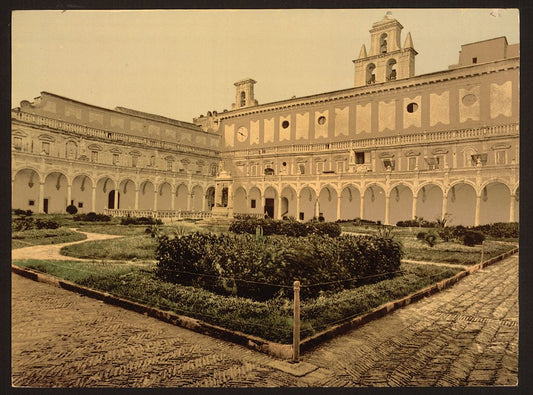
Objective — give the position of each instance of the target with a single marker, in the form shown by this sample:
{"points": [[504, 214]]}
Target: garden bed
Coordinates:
{"points": [[33, 237]]}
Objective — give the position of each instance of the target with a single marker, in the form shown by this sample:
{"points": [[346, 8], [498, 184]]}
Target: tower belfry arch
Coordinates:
{"points": [[386, 60]]}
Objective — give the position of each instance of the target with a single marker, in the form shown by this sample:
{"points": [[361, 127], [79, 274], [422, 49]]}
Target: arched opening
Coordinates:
{"points": [[82, 188], [26, 190], [196, 199], [181, 197], [210, 198], [111, 200], [243, 99], [327, 204], [225, 197], [391, 70], [370, 74], [255, 205], [270, 202], [462, 204], [429, 202], [350, 203], [164, 200], [146, 196], [495, 203], [401, 204], [239, 201], [383, 43], [308, 204], [103, 187], [127, 194], [55, 193], [288, 203], [374, 204]]}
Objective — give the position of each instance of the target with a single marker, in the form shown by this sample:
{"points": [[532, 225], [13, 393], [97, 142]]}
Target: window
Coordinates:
{"points": [[116, 159], [500, 157], [152, 160], [169, 165], [370, 76], [253, 170], [359, 158], [252, 203], [243, 99], [94, 156], [80, 205], [319, 167], [388, 164], [31, 203], [340, 167], [391, 70], [71, 150], [269, 171], [411, 163], [301, 168], [46, 148], [321, 120], [285, 124], [435, 163], [17, 143], [479, 159], [474, 60], [383, 43], [412, 107], [134, 160]]}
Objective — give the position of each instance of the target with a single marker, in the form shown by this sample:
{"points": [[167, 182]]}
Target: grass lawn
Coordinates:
{"points": [[31, 237], [137, 247], [271, 320]]}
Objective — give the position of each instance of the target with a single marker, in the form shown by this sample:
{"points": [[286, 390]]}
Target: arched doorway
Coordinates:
{"points": [[111, 200], [495, 203], [401, 204], [26, 190], [350, 203], [374, 203], [327, 203], [462, 204]]}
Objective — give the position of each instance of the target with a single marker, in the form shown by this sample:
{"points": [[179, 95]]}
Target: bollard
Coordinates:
{"points": [[296, 323], [482, 250]]}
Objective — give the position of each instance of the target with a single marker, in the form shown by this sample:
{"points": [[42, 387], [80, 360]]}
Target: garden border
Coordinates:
{"points": [[283, 351]]}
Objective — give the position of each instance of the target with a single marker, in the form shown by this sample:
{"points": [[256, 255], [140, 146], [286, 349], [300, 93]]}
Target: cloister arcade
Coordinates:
{"points": [[463, 202], [54, 190]]}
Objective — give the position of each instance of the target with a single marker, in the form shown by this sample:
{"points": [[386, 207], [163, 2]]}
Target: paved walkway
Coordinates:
{"points": [[466, 335]]}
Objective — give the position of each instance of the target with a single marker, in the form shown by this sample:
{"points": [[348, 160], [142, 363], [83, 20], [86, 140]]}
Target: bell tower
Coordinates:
{"points": [[386, 60], [244, 94]]}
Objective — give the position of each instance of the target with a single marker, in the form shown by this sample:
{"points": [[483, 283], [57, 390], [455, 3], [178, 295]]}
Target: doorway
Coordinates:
{"points": [[269, 207], [111, 200], [45, 206]]}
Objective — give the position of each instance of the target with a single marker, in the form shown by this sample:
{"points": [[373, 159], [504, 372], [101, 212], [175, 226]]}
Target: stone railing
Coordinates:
{"points": [[160, 214], [445, 135], [104, 134]]}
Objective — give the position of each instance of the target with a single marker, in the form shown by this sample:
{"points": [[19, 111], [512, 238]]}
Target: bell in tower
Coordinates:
{"points": [[244, 94], [386, 60]]}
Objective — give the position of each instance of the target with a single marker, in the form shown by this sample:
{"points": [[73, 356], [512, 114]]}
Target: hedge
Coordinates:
{"points": [[140, 221], [235, 264], [286, 227], [92, 217]]}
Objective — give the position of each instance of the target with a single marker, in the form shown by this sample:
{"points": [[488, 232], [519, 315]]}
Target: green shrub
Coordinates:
{"points": [[140, 221], [288, 227], [421, 235], [18, 211], [472, 238], [92, 217], [46, 224], [499, 230], [22, 223], [71, 209], [431, 239], [222, 262]]}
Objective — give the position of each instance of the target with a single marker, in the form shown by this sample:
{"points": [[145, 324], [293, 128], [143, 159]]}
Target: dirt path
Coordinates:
{"points": [[52, 251]]}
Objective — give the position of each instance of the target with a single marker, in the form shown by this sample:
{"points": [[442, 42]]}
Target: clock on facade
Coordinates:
{"points": [[242, 133]]}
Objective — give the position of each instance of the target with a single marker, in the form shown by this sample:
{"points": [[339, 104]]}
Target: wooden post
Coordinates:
{"points": [[482, 250], [296, 325]]}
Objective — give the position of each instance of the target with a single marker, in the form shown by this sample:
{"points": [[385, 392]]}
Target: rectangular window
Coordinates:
{"points": [[388, 164], [115, 159], [359, 158], [80, 205], [433, 163], [340, 167], [134, 160], [94, 156], [46, 148], [479, 160], [252, 203], [17, 143], [319, 167], [31, 203], [301, 167], [500, 157], [301, 216], [411, 163], [253, 170], [474, 60], [169, 165]]}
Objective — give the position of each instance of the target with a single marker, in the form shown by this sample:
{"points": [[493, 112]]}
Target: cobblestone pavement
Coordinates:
{"points": [[465, 335]]}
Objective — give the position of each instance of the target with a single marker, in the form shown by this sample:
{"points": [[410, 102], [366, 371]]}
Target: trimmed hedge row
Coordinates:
{"points": [[92, 217], [286, 227], [140, 221], [221, 262], [27, 223]]}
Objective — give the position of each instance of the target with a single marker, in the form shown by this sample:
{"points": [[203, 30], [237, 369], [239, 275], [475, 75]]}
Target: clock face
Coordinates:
{"points": [[242, 133]]}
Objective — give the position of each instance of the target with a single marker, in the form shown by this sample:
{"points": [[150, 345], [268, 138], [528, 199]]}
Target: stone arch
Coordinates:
{"points": [[271, 205], [288, 202], [127, 189], [495, 202], [374, 203], [165, 196], [255, 200], [55, 192], [327, 203], [350, 202], [104, 186], [181, 196], [82, 192], [209, 198], [146, 195], [461, 203], [429, 201], [240, 204], [197, 195], [308, 203], [26, 189], [400, 203]]}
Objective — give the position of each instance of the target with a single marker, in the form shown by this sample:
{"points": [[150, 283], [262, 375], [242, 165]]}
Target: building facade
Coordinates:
{"points": [[394, 147]]}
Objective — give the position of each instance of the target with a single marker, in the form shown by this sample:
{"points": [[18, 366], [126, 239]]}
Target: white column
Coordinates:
{"points": [[69, 194], [41, 198], [189, 201], [155, 199], [362, 206], [277, 215], [478, 210], [387, 209], [116, 199], [136, 207], [317, 208], [444, 205], [415, 199], [339, 207], [172, 199], [512, 208], [93, 203], [297, 207]]}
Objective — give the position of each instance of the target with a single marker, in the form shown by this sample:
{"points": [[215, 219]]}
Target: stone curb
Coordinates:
{"points": [[310, 342], [283, 351]]}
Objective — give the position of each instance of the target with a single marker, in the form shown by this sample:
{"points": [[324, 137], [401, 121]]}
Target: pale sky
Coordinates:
{"points": [[183, 63]]}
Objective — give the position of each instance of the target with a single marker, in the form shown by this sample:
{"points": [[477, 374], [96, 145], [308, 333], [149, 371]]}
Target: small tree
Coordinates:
{"points": [[71, 209]]}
